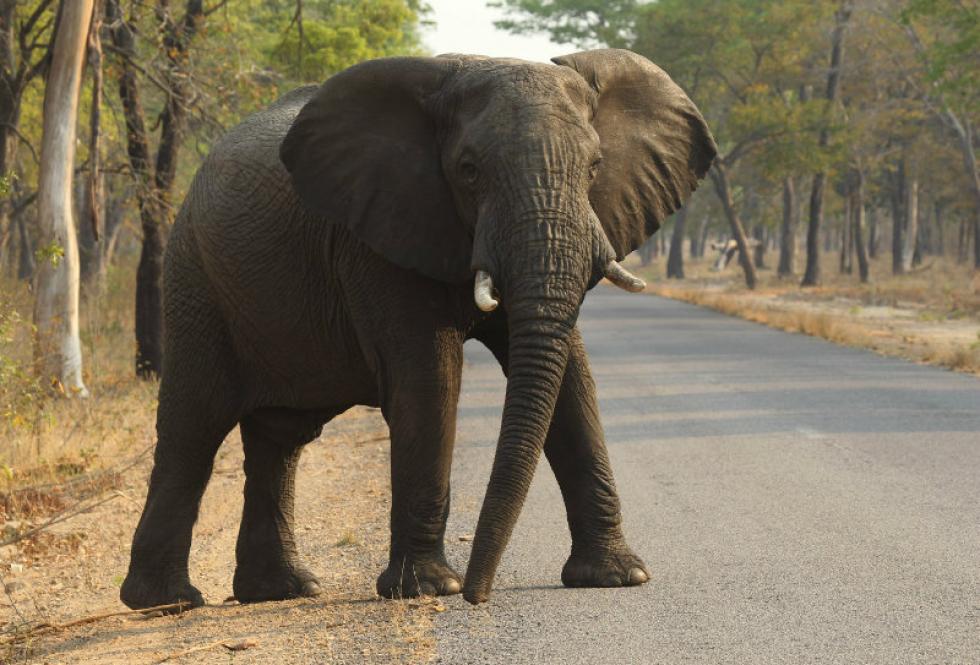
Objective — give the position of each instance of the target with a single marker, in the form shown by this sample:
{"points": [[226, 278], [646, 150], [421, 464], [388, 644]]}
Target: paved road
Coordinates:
{"points": [[795, 501]]}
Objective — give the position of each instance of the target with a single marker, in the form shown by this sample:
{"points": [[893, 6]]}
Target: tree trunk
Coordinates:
{"points": [[759, 253], [911, 220], [898, 218], [703, 235], [873, 237], [58, 351], [857, 227], [154, 191], [90, 246], [95, 192], [939, 223], [963, 241], [811, 276], [25, 265], [675, 260], [646, 251], [787, 232], [846, 266], [719, 177], [9, 118]]}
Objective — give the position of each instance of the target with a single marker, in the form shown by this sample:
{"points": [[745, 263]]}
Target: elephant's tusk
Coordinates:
{"points": [[623, 278], [483, 291]]}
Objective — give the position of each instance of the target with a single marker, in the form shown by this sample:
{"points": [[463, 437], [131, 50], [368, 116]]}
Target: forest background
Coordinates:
{"points": [[847, 180]]}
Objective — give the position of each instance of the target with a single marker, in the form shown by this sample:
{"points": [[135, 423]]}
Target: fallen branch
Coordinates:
{"points": [[85, 478], [47, 628], [231, 646], [59, 517], [79, 488]]}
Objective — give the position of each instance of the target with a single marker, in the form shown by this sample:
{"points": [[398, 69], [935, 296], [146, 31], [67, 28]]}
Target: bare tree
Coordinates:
{"points": [[154, 183], [58, 351], [812, 275], [23, 57], [719, 176]]}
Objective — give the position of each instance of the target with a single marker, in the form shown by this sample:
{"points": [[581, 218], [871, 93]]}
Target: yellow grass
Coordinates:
{"points": [[44, 436], [938, 295]]}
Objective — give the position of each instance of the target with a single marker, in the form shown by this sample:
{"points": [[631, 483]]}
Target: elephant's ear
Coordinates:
{"points": [[655, 144], [363, 153]]}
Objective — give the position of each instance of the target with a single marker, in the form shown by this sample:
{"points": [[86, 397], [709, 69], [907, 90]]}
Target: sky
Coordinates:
{"points": [[466, 26]]}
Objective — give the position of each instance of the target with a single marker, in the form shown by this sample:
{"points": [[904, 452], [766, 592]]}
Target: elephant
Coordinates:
{"points": [[340, 246]]}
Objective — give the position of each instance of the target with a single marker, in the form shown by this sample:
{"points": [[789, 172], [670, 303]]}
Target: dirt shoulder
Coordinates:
{"points": [[342, 516], [918, 317]]}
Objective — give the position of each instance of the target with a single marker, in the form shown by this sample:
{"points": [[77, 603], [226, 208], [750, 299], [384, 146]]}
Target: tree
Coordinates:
{"points": [[25, 27], [952, 77], [811, 276], [57, 347], [675, 259]]}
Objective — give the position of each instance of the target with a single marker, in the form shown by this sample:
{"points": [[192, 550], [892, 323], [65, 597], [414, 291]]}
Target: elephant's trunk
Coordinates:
{"points": [[542, 306]]}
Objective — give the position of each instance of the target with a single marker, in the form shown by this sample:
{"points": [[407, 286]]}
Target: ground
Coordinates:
{"points": [[931, 315], [342, 531], [752, 466]]}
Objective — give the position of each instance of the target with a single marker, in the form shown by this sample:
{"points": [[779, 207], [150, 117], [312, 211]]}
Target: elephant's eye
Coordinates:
{"points": [[594, 168], [468, 172]]}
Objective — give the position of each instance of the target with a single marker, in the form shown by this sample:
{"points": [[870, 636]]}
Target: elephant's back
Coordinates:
{"points": [[241, 197], [242, 229], [243, 169]]}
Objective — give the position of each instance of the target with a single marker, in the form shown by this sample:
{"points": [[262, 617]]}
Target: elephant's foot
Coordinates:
{"points": [[255, 584], [142, 590], [406, 577], [604, 567]]}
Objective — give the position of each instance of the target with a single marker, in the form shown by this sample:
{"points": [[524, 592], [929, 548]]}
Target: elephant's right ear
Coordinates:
{"points": [[655, 144], [363, 153]]}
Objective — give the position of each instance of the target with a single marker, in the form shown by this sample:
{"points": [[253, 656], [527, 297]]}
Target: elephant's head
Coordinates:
{"points": [[531, 178]]}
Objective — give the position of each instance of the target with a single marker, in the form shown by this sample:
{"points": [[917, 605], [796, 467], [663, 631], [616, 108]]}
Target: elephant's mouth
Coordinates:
{"points": [[487, 301]]}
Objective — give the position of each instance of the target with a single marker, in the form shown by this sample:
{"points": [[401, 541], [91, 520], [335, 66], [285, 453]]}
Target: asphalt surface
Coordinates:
{"points": [[795, 501]]}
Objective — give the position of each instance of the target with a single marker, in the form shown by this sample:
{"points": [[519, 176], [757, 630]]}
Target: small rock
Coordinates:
{"points": [[16, 567], [10, 587], [465, 538]]}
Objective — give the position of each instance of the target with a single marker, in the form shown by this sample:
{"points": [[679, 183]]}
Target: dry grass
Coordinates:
{"points": [[45, 437], [930, 315]]}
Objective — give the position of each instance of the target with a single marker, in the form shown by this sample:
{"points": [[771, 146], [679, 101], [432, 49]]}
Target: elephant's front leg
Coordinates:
{"points": [[419, 405], [576, 451]]}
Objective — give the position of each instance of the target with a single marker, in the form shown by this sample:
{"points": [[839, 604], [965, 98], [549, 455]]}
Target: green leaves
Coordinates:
{"points": [[585, 23], [949, 31], [338, 34]]}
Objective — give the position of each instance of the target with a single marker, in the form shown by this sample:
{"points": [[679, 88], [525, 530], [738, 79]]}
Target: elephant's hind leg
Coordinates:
{"points": [[198, 407], [268, 564]]}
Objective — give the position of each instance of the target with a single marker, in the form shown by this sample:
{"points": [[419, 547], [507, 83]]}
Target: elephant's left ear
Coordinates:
{"points": [[364, 153], [655, 144]]}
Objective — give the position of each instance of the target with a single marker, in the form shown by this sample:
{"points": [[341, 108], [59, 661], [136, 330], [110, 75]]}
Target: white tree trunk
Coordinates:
{"points": [[911, 221], [58, 351]]}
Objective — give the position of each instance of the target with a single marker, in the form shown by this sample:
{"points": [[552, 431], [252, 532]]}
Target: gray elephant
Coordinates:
{"points": [[339, 248]]}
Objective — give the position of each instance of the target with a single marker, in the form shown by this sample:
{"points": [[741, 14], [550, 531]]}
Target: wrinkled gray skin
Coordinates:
{"points": [[325, 258]]}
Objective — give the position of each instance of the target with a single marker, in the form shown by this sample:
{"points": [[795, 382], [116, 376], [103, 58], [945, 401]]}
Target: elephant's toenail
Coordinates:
{"points": [[450, 587], [312, 589], [637, 576]]}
